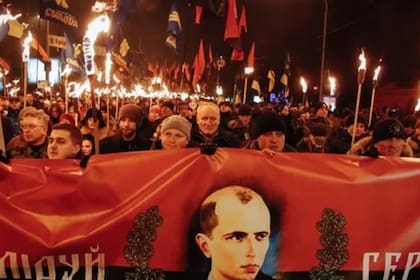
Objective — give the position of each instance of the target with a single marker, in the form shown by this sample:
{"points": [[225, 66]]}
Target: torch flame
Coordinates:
{"points": [[418, 105], [303, 84], [99, 24], [66, 71], [376, 74], [333, 85], [26, 45], [8, 16], [362, 59]]}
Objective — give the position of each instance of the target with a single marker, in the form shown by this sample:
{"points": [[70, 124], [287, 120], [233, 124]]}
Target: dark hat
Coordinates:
{"points": [[267, 122], [168, 104], [319, 129], [244, 110], [132, 112], [409, 121], [14, 99], [349, 121], [321, 105], [388, 128], [225, 103]]}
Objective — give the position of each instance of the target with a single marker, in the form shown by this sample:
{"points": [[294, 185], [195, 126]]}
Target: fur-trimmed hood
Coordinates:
{"points": [[362, 146]]}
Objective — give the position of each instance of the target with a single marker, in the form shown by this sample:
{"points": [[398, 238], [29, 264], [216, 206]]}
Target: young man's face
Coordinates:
{"points": [[360, 129], [60, 145], [273, 140], [244, 119], [128, 128], [239, 243], [392, 147], [208, 120]]}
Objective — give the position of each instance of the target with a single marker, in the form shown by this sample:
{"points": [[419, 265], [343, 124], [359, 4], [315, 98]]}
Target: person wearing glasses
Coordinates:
{"points": [[32, 142]]}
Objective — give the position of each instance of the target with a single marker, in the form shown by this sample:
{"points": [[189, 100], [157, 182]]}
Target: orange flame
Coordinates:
{"points": [[362, 59], [303, 84], [376, 73]]}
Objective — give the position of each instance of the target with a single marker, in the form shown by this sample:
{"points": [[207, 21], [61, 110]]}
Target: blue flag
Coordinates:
{"points": [[174, 27], [59, 11], [72, 55]]}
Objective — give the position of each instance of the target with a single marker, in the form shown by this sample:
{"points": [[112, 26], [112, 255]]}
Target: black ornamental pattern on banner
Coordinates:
{"points": [[334, 241], [140, 250]]}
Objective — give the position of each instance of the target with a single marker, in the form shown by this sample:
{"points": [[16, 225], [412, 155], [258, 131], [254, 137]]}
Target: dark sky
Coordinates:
{"points": [[387, 29]]}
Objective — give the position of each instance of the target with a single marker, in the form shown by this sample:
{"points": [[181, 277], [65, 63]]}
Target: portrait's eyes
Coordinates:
{"points": [[261, 236], [236, 236]]}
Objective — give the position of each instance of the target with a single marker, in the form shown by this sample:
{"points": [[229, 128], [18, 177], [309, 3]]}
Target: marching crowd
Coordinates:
{"points": [[41, 129]]}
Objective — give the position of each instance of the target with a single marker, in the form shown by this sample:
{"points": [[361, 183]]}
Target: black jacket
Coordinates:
{"points": [[223, 138], [116, 144]]}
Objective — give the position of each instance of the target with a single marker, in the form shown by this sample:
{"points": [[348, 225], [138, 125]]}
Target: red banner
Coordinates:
{"points": [[367, 209]]}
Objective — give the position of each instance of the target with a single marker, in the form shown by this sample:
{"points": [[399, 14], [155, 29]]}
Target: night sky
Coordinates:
{"points": [[387, 29]]}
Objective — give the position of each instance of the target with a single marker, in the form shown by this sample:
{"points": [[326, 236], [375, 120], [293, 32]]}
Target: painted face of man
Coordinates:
{"points": [[173, 139], [208, 120], [273, 140], [392, 147], [60, 145], [238, 244]]}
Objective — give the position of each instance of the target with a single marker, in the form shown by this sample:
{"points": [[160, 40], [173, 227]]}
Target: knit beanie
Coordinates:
{"points": [[267, 122], [131, 111], [319, 129], [244, 110], [388, 128], [177, 122], [168, 104]]}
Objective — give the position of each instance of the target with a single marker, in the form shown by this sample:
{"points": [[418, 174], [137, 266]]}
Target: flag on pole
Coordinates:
{"points": [[37, 46], [15, 28], [233, 31], [211, 59], [271, 80], [120, 57], [198, 14], [4, 64], [58, 11], [199, 65], [286, 74], [174, 28], [242, 20], [256, 86], [251, 56], [231, 28]]}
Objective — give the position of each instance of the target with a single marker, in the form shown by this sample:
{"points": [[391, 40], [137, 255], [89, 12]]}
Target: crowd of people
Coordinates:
{"points": [[43, 129]]}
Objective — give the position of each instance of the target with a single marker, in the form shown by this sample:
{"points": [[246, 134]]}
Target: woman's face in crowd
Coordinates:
{"points": [[87, 147]]}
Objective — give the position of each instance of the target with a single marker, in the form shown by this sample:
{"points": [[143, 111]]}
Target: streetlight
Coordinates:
{"points": [[247, 71]]}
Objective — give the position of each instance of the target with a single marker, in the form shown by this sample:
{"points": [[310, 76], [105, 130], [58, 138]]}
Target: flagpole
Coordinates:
{"points": [[187, 28], [324, 39], [245, 89]]}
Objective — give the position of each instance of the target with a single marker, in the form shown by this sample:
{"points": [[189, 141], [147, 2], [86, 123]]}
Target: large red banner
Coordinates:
{"points": [[334, 214]]}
